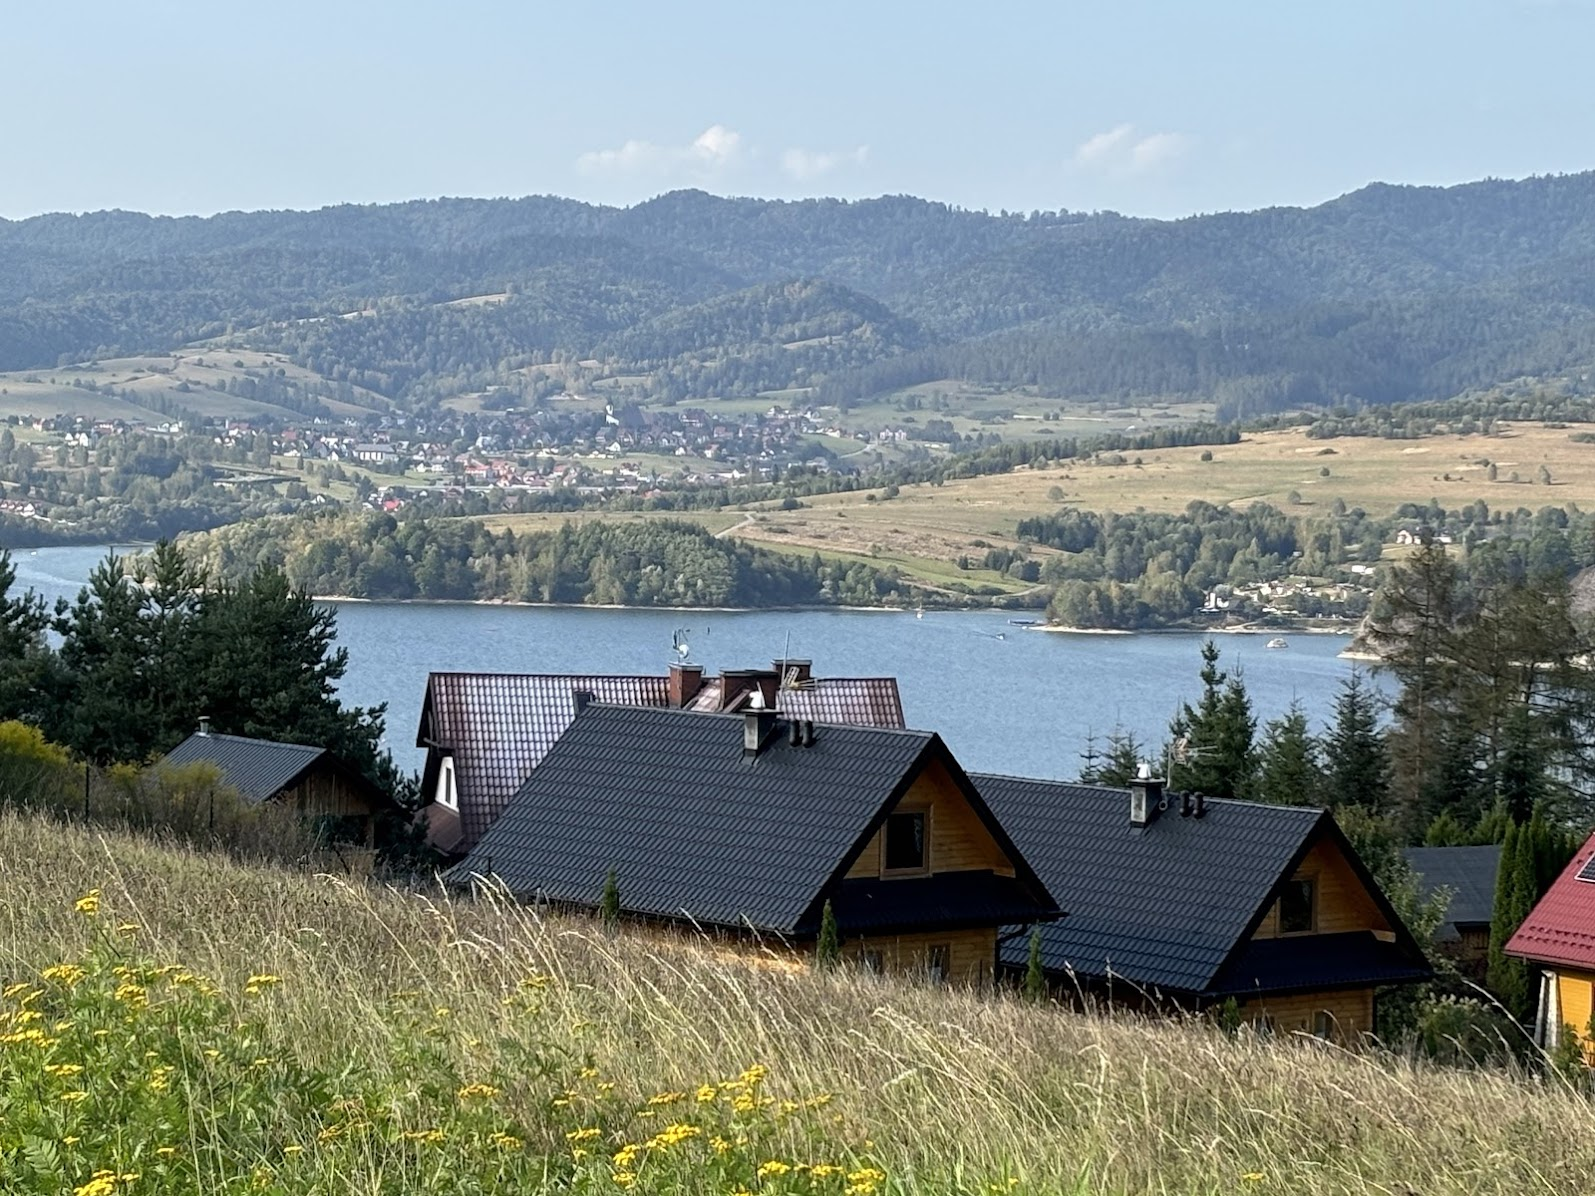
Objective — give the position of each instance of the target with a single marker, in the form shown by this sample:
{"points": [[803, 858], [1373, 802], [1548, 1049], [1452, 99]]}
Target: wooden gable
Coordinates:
{"points": [[1342, 899], [958, 837]]}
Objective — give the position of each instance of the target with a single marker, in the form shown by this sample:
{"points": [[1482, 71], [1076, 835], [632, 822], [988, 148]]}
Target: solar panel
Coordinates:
{"points": [[1587, 872]]}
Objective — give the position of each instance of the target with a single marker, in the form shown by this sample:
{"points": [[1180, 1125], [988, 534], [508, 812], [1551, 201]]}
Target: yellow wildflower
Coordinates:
{"points": [[623, 1179], [293, 1148], [68, 974], [477, 1092], [73, 1098], [63, 1069], [772, 1167], [127, 929], [71, 1140], [430, 1137], [721, 1146], [89, 904], [1253, 1177], [625, 1156], [166, 1152], [588, 1073], [582, 1135], [673, 1135], [754, 1074], [135, 995], [665, 1098], [707, 1093], [505, 1141]]}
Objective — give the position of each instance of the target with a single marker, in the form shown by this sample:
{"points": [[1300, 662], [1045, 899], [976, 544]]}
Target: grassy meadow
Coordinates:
{"points": [[172, 1022]]}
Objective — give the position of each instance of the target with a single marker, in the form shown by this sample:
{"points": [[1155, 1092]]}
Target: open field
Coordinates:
{"points": [[307, 1035], [154, 378]]}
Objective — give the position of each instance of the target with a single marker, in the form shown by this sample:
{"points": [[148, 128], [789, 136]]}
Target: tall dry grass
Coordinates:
{"points": [[947, 1089]]}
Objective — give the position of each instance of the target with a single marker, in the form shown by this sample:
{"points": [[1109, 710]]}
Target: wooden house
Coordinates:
{"points": [[312, 781], [484, 733], [747, 825], [1173, 901], [1467, 874], [1559, 936]]}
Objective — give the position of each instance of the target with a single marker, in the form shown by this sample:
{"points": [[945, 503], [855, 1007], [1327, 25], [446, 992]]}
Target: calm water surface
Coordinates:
{"points": [[1005, 699]]}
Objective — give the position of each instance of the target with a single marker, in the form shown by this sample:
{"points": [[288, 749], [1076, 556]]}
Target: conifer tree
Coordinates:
{"points": [[609, 904], [1035, 986], [1215, 737], [1507, 977], [1356, 763], [828, 949], [1289, 773]]}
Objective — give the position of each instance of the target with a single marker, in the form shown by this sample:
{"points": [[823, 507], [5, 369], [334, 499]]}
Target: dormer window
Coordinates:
{"points": [[907, 845]]}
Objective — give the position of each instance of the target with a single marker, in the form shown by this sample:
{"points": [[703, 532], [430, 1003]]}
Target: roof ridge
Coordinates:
{"points": [[307, 747], [1225, 801], [869, 728]]}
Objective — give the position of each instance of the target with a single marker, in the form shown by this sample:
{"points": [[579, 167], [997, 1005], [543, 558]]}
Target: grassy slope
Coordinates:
{"points": [[942, 1091]]}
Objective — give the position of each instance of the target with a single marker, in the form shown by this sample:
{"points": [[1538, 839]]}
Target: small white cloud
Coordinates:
{"points": [[803, 165], [1121, 150], [713, 149], [1103, 146]]}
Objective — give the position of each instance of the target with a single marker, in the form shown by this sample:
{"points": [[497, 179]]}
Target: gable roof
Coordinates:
{"points": [[1169, 906], [694, 829], [1469, 872], [258, 768], [499, 726], [1560, 930]]}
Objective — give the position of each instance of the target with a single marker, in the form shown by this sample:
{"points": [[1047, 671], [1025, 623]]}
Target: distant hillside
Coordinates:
{"points": [[1385, 294]]}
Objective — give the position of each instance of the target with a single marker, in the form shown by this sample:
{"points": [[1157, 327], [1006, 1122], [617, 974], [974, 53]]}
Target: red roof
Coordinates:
{"points": [[1561, 928]]}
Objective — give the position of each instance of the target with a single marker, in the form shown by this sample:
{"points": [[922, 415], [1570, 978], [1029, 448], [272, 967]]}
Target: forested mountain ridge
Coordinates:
{"points": [[1383, 294]]}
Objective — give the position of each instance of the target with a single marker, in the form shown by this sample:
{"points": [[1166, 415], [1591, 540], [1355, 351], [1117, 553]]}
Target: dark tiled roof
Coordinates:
{"points": [[692, 827], [1353, 959], [948, 900], [1469, 872], [499, 726], [1161, 906], [1561, 928], [257, 768]]}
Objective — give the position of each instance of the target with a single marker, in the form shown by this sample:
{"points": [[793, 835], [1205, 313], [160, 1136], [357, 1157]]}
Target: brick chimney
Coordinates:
{"points": [[736, 682], [803, 668], [1146, 796], [685, 681]]}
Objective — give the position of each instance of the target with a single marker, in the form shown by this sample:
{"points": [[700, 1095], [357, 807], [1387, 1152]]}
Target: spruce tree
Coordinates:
{"points": [[1507, 976], [1214, 750], [1289, 774], [1356, 763], [1035, 986], [609, 904], [828, 949]]}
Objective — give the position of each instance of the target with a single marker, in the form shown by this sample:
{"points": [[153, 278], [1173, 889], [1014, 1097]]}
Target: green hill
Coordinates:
{"points": [[1385, 294]]}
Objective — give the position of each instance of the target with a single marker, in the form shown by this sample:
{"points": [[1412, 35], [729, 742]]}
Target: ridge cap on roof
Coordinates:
{"points": [[1211, 801], [544, 676], [863, 728], [283, 743]]}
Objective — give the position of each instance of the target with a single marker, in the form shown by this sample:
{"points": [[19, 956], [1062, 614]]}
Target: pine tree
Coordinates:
{"points": [[1035, 987], [609, 904], [1289, 774], [1356, 763], [828, 949], [1213, 741], [1515, 894]]}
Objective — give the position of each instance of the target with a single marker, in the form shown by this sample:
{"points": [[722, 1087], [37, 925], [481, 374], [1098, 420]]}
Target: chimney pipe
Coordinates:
{"points": [[1146, 796], [1201, 804], [808, 732], [1185, 804], [758, 720], [581, 699], [797, 733], [204, 725]]}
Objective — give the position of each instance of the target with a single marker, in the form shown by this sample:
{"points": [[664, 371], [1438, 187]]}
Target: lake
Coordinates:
{"points": [[1004, 698]]}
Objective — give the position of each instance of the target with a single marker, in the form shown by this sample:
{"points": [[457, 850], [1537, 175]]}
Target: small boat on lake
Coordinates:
{"points": [[1024, 622], [1276, 642]]}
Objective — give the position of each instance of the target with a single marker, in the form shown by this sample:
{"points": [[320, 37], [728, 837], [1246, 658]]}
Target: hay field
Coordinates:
{"points": [[373, 1041]]}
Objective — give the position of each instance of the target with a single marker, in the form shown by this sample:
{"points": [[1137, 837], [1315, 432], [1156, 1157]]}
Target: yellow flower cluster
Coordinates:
{"points": [[89, 904], [477, 1092]]}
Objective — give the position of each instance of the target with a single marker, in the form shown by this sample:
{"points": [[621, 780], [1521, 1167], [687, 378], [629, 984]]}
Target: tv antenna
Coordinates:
{"points": [[680, 646]]}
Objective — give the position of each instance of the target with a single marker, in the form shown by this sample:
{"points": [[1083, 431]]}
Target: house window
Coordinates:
{"points": [[446, 795], [905, 842], [1323, 1025], [1298, 906], [938, 961]]}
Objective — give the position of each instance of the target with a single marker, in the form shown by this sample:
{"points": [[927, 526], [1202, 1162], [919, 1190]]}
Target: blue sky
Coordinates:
{"points": [[1160, 109]]}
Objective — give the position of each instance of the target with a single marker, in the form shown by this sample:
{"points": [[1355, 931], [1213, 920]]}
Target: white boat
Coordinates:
{"points": [[1276, 642]]}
